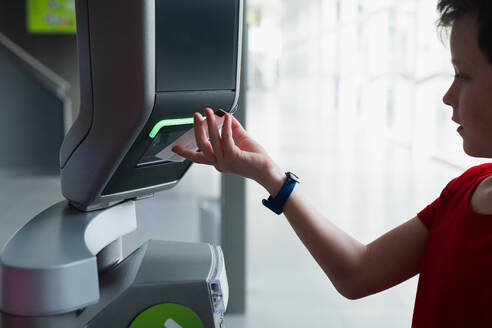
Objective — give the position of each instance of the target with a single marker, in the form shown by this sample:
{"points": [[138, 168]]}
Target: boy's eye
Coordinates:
{"points": [[460, 77]]}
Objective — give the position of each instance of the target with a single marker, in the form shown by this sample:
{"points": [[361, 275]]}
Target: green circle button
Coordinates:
{"points": [[167, 316]]}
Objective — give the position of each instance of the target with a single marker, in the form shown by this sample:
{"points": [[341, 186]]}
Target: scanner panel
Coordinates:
{"points": [[147, 61]]}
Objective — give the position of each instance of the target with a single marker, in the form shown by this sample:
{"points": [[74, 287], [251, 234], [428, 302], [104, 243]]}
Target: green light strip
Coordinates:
{"points": [[174, 122]]}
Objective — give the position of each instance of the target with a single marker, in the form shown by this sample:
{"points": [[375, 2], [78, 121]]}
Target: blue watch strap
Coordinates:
{"points": [[277, 204]]}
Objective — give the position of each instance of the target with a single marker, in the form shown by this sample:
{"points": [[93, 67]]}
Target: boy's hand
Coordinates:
{"points": [[232, 152]]}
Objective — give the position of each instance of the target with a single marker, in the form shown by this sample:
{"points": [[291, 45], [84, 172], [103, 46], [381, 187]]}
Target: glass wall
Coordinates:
{"points": [[380, 63]]}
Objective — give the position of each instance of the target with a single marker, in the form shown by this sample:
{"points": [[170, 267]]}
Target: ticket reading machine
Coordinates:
{"points": [[145, 67]]}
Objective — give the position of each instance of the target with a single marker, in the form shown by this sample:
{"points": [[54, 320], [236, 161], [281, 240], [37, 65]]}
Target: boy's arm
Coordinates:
{"points": [[355, 269], [358, 270]]}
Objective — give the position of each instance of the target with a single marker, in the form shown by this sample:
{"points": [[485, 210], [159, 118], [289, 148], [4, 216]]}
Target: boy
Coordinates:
{"points": [[449, 243]]}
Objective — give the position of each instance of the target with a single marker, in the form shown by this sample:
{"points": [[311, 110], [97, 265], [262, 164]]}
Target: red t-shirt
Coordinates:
{"points": [[455, 284]]}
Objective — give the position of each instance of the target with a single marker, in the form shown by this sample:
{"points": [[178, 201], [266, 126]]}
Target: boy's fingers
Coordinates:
{"points": [[193, 156], [213, 133], [227, 139], [237, 128], [202, 140]]}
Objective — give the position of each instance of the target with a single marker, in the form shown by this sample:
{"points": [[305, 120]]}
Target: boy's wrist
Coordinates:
{"points": [[273, 181]]}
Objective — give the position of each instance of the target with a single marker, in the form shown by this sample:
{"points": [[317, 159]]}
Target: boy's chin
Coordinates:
{"points": [[477, 153]]}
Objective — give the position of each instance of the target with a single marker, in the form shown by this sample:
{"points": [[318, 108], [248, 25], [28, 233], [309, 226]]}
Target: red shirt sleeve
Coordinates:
{"points": [[428, 214]]}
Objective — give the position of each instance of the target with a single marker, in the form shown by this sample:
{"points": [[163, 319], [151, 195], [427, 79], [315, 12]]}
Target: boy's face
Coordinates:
{"points": [[470, 95]]}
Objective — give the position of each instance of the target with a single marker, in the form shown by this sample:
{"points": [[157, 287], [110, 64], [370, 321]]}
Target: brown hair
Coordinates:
{"points": [[451, 10]]}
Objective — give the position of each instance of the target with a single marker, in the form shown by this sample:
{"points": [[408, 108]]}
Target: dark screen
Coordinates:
{"points": [[196, 44]]}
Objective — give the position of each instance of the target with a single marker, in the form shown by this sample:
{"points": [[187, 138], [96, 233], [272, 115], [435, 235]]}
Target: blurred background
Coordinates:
{"points": [[345, 93]]}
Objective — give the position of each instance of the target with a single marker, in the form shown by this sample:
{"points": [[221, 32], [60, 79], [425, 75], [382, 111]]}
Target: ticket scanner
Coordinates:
{"points": [[145, 67]]}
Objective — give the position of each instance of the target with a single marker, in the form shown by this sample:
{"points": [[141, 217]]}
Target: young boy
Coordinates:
{"points": [[449, 243]]}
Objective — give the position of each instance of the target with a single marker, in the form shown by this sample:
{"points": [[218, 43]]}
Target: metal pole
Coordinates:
{"points": [[233, 203]]}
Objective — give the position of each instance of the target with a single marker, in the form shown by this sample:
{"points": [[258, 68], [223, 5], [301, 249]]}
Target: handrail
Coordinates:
{"points": [[41, 72], [52, 81]]}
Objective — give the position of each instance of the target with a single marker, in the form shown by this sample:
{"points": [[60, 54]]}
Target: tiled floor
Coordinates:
{"points": [[352, 173]]}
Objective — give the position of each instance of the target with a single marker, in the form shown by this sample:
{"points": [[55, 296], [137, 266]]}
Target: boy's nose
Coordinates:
{"points": [[449, 98]]}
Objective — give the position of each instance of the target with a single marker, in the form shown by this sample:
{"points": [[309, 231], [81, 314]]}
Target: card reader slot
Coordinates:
{"points": [[162, 139]]}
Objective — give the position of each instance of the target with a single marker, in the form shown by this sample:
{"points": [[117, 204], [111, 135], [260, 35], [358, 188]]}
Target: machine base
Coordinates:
{"points": [[188, 278]]}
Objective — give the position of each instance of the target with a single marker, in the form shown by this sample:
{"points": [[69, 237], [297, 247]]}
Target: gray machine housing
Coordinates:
{"points": [[73, 277], [143, 61], [140, 62]]}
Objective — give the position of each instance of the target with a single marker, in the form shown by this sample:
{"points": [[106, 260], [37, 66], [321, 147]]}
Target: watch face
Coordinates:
{"points": [[293, 176]]}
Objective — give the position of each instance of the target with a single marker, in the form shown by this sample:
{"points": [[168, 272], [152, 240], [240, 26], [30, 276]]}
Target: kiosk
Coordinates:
{"points": [[145, 67]]}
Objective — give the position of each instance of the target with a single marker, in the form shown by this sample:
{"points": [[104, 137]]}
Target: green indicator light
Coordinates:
{"points": [[174, 122]]}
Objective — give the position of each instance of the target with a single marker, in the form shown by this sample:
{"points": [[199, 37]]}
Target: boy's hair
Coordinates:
{"points": [[451, 10]]}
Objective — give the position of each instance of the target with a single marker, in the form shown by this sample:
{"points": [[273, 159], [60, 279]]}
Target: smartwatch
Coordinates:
{"points": [[277, 204]]}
